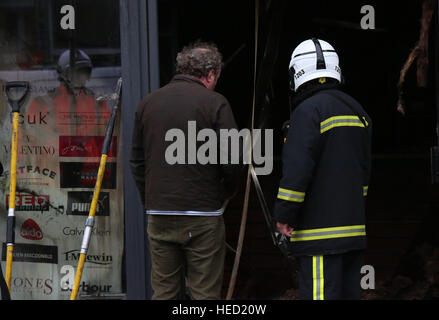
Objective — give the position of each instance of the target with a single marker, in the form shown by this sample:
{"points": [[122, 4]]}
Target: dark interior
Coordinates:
{"points": [[401, 202]]}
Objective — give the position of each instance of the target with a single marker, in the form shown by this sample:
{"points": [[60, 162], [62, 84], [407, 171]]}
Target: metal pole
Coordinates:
{"points": [[434, 151], [436, 61], [139, 56], [72, 47]]}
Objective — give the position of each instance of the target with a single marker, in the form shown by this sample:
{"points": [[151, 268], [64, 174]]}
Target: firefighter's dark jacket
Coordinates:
{"points": [[180, 187], [325, 177]]}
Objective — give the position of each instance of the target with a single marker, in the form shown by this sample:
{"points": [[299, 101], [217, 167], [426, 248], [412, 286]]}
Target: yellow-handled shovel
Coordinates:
{"points": [[16, 92], [91, 215]]}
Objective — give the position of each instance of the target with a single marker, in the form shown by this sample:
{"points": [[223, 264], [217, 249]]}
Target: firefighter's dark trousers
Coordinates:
{"points": [[194, 243], [331, 277]]}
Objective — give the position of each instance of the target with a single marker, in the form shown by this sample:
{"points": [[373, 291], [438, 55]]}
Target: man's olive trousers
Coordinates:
{"points": [[196, 243]]}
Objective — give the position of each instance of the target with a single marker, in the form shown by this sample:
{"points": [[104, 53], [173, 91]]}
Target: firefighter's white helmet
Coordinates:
{"points": [[313, 59]]}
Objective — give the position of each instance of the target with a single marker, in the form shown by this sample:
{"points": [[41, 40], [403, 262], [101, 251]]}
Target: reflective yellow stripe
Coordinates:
{"points": [[340, 121], [367, 123], [318, 281], [291, 195], [328, 233], [360, 226], [338, 118], [290, 199], [314, 278], [365, 189], [292, 192], [332, 236], [322, 282], [342, 124]]}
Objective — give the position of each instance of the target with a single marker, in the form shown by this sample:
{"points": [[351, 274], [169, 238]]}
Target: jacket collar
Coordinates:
{"points": [[310, 91], [187, 78]]}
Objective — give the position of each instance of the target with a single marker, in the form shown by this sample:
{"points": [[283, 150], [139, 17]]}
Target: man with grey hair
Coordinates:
{"points": [[183, 201]]}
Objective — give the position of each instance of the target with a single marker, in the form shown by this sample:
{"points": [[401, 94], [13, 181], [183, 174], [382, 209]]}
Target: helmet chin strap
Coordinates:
{"points": [[292, 72]]}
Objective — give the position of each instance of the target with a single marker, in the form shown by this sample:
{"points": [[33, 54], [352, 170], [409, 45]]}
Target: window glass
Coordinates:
{"points": [[62, 124]]}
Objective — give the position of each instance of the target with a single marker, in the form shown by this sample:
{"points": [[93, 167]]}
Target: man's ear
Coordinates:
{"points": [[211, 76]]}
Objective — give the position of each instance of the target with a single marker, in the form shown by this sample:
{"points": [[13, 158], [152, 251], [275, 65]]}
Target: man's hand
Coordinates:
{"points": [[285, 229]]}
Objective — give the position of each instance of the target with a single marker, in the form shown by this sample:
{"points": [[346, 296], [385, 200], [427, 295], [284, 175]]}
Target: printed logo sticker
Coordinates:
{"points": [[79, 202], [33, 253], [77, 146], [31, 230], [83, 175], [30, 202]]}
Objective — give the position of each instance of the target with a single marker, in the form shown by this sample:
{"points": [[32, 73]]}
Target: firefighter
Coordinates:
{"points": [[326, 168]]}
